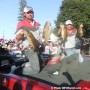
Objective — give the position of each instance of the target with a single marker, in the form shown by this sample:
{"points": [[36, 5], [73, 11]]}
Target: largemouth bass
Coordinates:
{"points": [[80, 30], [63, 31], [47, 31], [31, 39]]}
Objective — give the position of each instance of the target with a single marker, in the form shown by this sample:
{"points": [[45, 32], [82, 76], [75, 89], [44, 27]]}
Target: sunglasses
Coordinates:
{"points": [[30, 12]]}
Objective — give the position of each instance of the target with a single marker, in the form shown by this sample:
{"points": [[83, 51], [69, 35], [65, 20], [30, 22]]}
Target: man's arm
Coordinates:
{"points": [[19, 35]]}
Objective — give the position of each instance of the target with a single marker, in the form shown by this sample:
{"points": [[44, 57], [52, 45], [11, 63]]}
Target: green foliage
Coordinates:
{"points": [[76, 10], [22, 4]]}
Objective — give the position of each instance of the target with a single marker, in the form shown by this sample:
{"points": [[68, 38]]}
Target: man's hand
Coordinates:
{"points": [[62, 26], [18, 37], [22, 32], [60, 29], [81, 26]]}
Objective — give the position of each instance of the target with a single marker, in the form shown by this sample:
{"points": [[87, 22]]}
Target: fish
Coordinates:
{"points": [[31, 39], [47, 31], [63, 31], [80, 30]]}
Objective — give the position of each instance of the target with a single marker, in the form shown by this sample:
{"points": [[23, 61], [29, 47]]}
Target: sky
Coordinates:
{"points": [[45, 10]]}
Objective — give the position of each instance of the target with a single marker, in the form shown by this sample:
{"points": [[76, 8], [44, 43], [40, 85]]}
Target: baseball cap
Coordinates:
{"points": [[68, 22], [27, 8]]}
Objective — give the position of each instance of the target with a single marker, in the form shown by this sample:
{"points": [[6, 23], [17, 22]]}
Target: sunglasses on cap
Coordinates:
{"points": [[30, 12]]}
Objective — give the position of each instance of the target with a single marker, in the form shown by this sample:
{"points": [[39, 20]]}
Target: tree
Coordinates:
{"points": [[76, 10], [22, 4]]}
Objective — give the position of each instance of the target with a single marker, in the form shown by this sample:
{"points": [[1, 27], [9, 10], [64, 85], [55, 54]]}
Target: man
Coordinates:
{"points": [[29, 24], [69, 34]]}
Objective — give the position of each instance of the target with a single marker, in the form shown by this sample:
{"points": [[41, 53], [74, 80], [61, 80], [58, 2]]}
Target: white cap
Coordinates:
{"points": [[68, 22], [27, 8]]}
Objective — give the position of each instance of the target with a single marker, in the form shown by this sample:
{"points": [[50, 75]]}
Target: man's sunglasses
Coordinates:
{"points": [[30, 12]]}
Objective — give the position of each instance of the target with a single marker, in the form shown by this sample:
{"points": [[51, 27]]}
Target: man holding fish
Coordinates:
{"points": [[27, 35], [69, 35]]}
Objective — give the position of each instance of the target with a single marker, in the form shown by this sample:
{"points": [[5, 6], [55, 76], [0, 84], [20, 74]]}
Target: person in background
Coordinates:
{"points": [[69, 41], [31, 67]]}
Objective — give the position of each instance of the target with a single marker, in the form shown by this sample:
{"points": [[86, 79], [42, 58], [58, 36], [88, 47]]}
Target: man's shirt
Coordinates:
{"points": [[71, 39], [27, 23], [32, 27]]}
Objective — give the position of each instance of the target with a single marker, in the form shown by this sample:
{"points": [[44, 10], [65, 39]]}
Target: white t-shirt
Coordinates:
{"points": [[70, 41]]}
